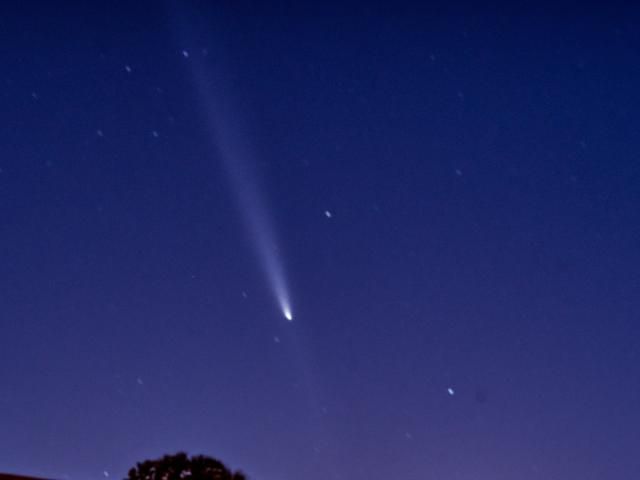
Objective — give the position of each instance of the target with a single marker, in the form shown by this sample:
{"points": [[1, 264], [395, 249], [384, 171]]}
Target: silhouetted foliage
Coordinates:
{"points": [[181, 467]]}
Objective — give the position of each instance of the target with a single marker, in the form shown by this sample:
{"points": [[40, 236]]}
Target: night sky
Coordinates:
{"points": [[446, 200]]}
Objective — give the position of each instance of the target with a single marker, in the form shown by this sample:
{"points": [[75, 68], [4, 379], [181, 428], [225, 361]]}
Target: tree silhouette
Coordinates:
{"points": [[181, 467]]}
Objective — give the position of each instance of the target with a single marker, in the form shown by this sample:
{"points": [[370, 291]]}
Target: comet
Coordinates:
{"points": [[231, 139]]}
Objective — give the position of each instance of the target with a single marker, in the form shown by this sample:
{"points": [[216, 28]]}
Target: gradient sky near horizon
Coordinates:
{"points": [[452, 196]]}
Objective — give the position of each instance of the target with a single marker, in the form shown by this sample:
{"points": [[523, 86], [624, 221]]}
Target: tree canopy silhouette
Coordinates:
{"points": [[181, 467]]}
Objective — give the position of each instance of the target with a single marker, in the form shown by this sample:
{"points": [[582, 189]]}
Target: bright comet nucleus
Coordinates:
{"points": [[287, 313]]}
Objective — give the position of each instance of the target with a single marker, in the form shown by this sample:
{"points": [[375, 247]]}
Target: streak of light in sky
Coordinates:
{"points": [[231, 141]]}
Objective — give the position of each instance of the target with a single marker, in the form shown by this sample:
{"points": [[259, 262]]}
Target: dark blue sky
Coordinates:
{"points": [[481, 170]]}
